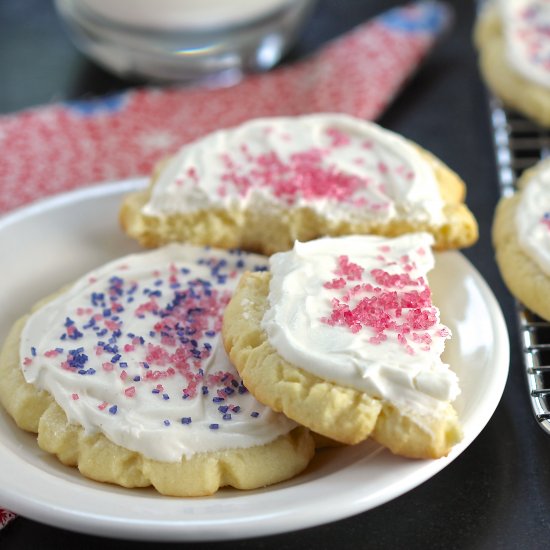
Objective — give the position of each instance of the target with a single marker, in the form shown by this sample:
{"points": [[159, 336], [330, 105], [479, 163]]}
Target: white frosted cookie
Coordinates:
{"points": [[264, 184], [521, 236], [124, 375], [514, 54], [342, 336]]}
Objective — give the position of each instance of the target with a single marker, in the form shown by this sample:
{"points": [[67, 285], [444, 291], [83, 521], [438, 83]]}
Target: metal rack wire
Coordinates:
{"points": [[519, 144]]}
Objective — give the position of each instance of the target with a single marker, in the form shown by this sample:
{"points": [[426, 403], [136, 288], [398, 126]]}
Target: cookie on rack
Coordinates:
{"points": [[124, 375], [342, 336], [514, 54], [262, 185], [521, 237]]}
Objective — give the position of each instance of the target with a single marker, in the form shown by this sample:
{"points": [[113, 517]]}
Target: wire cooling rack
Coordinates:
{"points": [[519, 144]]}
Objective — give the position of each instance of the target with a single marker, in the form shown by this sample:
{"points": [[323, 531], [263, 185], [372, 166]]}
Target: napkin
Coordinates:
{"points": [[5, 517], [64, 146]]}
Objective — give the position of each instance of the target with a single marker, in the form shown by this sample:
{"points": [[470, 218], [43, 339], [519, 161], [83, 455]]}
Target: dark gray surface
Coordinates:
{"points": [[497, 493]]}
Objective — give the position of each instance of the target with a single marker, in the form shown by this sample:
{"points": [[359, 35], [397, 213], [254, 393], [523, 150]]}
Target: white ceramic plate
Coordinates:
{"points": [[54, 241]]}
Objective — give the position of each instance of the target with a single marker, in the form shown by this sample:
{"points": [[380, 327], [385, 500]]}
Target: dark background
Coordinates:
{"points": [[497, 493]]}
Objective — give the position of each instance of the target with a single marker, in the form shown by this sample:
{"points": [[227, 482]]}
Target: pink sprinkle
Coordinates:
{"points": [[103, 406], [128, 347], [108, 366], [383, 167], [51, 353], [27, 361], [112, 325], [350, 270], [75, 397], [336, 283], [338, 138], [130, 392], [123, 375], [383, 278]]}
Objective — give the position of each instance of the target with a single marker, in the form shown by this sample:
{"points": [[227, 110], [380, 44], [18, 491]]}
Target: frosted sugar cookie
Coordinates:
{"points": [[343, 337], [521, 236], [514, 54], [124, 375], [269, 182]]}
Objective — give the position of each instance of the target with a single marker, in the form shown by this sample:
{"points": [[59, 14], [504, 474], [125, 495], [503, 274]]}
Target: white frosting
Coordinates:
{"points": [[533, 217], [526, 24], [131, 385], [391, 350], [183, 14], [340, 167]]}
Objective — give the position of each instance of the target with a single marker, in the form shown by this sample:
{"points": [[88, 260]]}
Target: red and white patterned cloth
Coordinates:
{"points": [[64, 146], [5, 517]]}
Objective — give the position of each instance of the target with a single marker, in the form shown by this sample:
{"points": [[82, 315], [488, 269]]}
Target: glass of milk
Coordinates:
{"points": [[194, 41]]}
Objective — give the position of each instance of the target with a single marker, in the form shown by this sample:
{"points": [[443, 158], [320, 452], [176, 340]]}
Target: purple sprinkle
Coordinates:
{"points": [[236, 409], [123, 364], [214, 426], [165, 396], [113, 409], [227, 416], [218, 399], [186, 420], [167, 422], [255, 414], [137, 378], [33, 351], [223, 408]]}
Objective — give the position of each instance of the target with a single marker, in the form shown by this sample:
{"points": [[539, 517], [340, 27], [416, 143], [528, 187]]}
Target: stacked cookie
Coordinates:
{"points": [[521, 236], [191, 368], [514, 54]]}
